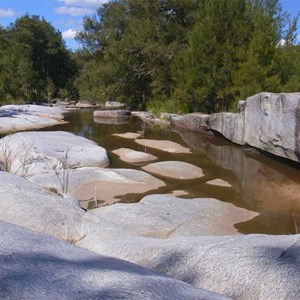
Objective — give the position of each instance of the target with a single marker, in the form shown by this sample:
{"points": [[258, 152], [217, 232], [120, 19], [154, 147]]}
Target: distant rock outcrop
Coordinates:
{"points": [[267, 121]]}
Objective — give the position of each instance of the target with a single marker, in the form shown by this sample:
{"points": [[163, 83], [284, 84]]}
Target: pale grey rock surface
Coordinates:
{"points": [[163, 216], [82, 104], [33, 153], [195, 122], [237, 266], [219, 182], [119, 113], [164, 145], [35, 266], [114, 105], [25, 117], [27, 205], [132, 156], [101, 184], [174, 169], [267, 121], [128, 135]]}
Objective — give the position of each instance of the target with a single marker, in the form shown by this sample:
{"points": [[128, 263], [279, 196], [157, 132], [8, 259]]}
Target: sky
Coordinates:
{"points": [[67, 15]]}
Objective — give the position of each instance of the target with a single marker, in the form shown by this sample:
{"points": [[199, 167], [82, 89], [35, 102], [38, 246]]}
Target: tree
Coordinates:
{"points": [[133, 43], [35, 60]]}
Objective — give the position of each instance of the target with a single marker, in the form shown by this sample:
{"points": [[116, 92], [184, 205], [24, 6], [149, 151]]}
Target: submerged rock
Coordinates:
{"points": [[219, 182], [132, 156], [111, 121], [99, 185], [175, 169], [128, 135], [27, 205], [35, 266], [164, 145]]}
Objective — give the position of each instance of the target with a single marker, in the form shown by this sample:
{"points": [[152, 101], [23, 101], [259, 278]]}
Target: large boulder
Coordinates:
{"points": [[267, 121], [173, 236], [120, 113], [195, 122], [27, 205], [35, 266], [25, 117], [31, 153]]}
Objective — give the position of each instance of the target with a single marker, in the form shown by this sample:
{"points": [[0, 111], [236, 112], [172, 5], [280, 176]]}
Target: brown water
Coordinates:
{"points": [[259, 182]]}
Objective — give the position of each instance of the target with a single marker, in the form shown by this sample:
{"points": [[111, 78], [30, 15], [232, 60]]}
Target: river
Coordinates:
{"points": [[260, 183]]}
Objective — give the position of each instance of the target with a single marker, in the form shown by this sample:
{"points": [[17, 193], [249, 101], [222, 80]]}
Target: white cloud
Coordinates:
{"points": [[84, 3], [7, 12], [65, 23], [73, 11], [69, 34]]}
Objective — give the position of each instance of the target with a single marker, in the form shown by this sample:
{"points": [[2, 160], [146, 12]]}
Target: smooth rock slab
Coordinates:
{"points": [[175, 169], [239, 267], [25, 204], [219, 182], [34, 266], [102, 184], [128, 135], [163, 216], [164, 145], [132, 156], [25, 117], [32, 153]]}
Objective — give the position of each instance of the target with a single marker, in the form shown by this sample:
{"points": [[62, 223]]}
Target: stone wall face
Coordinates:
{"points": [[267, 121]]}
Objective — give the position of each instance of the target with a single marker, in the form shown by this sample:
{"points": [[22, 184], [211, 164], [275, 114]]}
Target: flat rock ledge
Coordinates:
{"points": [[25, 117], [134, 157], [128, 135], [172, 236], [266, 121], [37, 267], [174, 169], [28, 205], [164, 145]]}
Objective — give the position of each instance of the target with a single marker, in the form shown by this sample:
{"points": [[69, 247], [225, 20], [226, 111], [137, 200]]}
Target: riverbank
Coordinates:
{"points": [[193, 240], [25, 117]]}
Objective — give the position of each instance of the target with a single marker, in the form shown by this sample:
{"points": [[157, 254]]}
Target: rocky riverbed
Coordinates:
{"points": [[163, 247]]}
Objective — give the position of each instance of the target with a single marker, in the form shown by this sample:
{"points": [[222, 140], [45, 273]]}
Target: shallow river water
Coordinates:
{"points": [[260, 183]]}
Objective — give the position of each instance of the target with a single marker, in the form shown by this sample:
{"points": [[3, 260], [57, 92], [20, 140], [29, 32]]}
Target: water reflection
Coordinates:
{"points": [[269, 187], [259, 183]]}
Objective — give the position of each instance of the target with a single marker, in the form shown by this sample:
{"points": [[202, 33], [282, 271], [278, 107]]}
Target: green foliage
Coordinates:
{"points": [[166, 105], [35, 63]]}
